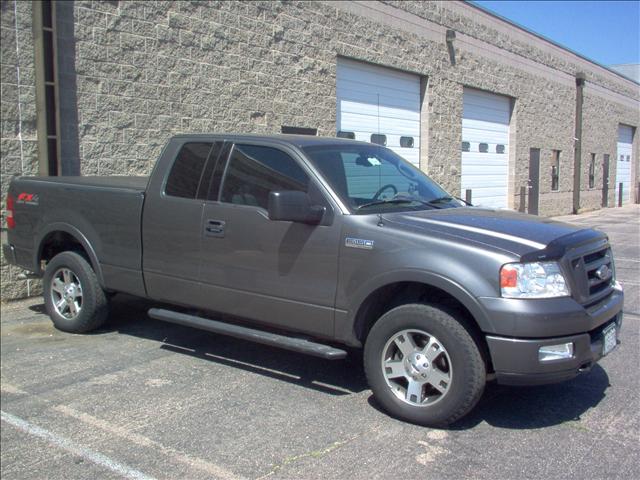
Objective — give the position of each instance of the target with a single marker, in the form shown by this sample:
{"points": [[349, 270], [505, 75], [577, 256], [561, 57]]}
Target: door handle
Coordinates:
{"points": [[214, 228]]}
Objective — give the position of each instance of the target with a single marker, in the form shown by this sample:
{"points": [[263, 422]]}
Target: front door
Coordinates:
{"points": [[278, 273], [605, 181], [534, 180]]}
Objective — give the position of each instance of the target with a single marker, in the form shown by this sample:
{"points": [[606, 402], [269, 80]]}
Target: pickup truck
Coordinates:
{"points": [[323, 246]]}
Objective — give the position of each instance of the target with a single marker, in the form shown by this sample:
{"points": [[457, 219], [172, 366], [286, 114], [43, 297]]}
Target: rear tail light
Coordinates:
{"points": [[11, 222]]}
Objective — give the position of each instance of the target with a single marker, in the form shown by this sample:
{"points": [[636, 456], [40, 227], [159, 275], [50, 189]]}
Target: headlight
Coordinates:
{"points": [[532, 280]]}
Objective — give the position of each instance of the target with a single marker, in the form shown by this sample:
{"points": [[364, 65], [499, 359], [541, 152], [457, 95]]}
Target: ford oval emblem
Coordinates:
{"points": [[603, 272]]}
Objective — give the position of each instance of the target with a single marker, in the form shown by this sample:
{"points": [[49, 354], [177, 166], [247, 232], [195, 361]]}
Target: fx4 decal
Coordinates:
{"points": [[28, 198]]}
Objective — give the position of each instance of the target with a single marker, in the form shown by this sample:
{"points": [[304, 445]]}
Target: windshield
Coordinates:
{"points": [[370, 178]]}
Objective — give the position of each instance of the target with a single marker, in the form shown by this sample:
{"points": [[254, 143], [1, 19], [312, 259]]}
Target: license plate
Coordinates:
{"points": [[609, 339]]}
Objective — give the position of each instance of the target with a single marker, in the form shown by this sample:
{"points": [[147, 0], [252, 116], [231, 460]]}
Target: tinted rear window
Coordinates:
{"points": [[187, 169]]}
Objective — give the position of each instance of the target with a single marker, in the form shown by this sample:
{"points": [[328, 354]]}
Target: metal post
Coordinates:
{"points": [[467, 195], [577, 158], [620, 194]]}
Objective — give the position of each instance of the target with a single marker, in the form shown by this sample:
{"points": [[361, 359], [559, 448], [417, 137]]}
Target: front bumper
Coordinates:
{"points": [[515, 359]]}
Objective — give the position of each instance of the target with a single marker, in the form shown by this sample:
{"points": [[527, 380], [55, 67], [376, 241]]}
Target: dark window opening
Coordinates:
{"points": [[592, 171], [299, 130], [186, 171], [50, 97], [52, 155], [47, 44], [499, 148], [350, 135], [406, 142], [255, 171], [555, 170], [47, 14], [484, 147], [47, 66], [379, 139], [466, 147]]}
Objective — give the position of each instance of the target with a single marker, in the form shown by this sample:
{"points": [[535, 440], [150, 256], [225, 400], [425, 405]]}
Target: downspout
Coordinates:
{"points": [[577, 159]]}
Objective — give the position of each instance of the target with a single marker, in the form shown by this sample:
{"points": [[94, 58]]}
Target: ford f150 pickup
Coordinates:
{"points": [[317, 244]]}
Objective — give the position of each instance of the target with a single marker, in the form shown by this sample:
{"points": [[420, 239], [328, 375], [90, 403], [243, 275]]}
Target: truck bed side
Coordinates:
{"points": [[104, 214]]}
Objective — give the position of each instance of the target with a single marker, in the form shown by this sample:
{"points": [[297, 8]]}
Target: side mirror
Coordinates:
{"points": [[293, 206]]}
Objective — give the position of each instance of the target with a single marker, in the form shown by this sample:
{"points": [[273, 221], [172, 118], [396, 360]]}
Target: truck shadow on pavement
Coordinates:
{"points": [[539, 406], [500, 406], [129, 316]]}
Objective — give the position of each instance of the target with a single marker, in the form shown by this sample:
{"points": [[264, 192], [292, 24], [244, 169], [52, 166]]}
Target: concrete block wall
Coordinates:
{"points": [[18, 139], [131, 74]]}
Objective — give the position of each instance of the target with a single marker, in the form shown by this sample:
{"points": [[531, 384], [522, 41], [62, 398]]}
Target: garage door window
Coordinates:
{"points": [[406, 142], [379, 139], [255, 171], [350, 135]]}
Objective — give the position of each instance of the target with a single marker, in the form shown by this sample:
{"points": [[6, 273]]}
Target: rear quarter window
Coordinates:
{"points": [[186, 170]]}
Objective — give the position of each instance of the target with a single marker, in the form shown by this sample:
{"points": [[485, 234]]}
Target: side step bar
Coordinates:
{"points": [[258, 336]]}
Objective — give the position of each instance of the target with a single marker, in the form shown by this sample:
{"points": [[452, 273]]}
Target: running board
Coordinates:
{"points": [[266, 338]]}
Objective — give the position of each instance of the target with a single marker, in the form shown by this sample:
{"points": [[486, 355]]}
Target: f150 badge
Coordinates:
{"points": [[359, 243], [28, 198]]}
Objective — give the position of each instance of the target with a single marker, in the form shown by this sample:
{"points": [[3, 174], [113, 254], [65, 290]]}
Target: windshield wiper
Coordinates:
{"points": [[388, 202], [446, 198]]}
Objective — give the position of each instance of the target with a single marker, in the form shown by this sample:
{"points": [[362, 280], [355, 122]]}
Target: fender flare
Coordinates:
{"points": [[449, 286], [75, 233]]}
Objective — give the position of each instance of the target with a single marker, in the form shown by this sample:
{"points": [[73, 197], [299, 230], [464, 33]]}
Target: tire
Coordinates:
{"points": [[73, 297], [441, 374]]}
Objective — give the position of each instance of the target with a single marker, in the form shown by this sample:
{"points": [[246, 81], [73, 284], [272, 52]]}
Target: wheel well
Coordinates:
{"points": [[390, 296], [58, 242]]}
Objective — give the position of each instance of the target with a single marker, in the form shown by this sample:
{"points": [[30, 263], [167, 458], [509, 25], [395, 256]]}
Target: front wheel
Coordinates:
{"points": [[73, 297], [423, 366]]}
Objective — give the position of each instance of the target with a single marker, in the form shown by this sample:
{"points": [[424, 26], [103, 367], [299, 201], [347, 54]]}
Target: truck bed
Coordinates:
{"points": [[138, 184], [103, 212]]}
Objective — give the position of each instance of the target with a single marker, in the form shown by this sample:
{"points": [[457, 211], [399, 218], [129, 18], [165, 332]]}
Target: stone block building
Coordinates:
{"points": [[480, 104]]}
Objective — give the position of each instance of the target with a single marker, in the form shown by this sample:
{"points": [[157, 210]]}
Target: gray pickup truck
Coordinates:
{"points": [[318, 244]]}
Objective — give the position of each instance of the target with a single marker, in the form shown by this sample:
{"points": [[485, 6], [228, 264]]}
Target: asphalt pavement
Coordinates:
{"points": [[144, 399]]}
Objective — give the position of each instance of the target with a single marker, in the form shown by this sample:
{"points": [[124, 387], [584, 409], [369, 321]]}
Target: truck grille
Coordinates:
{"points": [[594, 275]]}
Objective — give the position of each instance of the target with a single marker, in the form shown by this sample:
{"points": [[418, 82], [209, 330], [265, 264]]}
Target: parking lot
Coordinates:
{"points": [[144, 399]]}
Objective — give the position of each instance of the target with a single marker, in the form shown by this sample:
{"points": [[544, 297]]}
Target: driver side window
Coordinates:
{"points": [[255, 171]]}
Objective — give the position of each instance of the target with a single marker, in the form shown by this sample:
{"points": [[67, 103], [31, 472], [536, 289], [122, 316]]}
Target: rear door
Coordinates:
{"points": [[172, 220], [279, 273]]}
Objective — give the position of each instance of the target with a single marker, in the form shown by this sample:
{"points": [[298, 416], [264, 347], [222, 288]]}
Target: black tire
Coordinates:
{"points": [[463, 357], [93, 309]]}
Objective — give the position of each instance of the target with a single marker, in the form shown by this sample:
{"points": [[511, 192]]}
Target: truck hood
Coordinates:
{"points": [[510, 231]]}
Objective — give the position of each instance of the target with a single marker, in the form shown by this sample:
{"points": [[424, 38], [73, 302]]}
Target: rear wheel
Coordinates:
{"points": [[73, 297], [423, 366]]}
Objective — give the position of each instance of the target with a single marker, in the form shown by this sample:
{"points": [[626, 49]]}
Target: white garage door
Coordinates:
{"points": [[485, 147], [379, 105], [623, 170]]}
